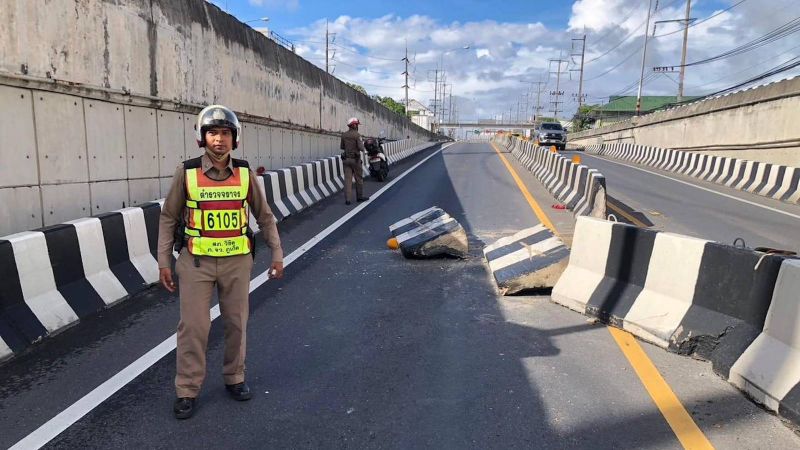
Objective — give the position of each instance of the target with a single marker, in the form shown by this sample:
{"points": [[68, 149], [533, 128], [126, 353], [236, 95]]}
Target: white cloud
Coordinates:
{"points": [[483, 53], [290, 5], [487, 79]]}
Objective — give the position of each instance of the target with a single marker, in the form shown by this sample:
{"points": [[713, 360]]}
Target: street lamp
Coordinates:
{"points": [[440, 68], [262, 19]]}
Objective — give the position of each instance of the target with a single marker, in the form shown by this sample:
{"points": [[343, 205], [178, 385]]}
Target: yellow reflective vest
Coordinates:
{"points": [[217, 211]]}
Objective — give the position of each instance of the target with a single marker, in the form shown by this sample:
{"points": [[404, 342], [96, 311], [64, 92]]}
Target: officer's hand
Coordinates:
{"points": [[276, 270], [165, 276]]}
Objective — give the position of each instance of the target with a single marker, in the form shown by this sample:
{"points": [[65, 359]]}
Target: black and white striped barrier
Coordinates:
{"points": [[581, 189], [693, 296], [293, 189], [430, 233], [56, 276], [531, 259], [768, 180]]}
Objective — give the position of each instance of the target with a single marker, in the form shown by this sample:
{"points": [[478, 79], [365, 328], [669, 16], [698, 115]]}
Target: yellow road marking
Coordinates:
{"points": [[624, 214], [682, 424], [534, 206]]}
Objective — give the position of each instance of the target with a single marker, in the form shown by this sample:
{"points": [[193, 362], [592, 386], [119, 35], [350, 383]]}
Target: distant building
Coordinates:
{"points": [[624, 107], [420, 115]]}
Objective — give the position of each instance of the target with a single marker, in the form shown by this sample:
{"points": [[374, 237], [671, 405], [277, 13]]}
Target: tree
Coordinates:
{"points": [[357, 87], [583, 118], [390, 103]]}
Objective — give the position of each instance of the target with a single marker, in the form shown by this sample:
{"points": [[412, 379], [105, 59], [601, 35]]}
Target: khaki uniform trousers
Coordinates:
{"points": [[231, 275], [352, 168]]}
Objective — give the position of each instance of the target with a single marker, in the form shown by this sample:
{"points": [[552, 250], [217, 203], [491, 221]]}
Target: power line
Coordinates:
{"points": [[366, 56], [613, 28], [367, 69], [747, 68], [704, 20], [784, 30], [628, 36], [638, 49], [780, 68]]}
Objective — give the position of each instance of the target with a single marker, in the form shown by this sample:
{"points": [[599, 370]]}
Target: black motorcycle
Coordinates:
{"points": [[378, 164]]}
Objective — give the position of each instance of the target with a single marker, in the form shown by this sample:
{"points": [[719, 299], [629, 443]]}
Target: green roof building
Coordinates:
{"points": [[622, 107]]}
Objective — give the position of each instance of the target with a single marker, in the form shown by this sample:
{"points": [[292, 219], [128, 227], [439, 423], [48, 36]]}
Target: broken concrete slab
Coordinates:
{"points": [[430, 233], [532, 259]]}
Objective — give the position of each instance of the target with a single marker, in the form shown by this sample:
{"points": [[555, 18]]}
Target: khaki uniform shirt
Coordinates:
{"points": [[174, 207], [352, 144]]}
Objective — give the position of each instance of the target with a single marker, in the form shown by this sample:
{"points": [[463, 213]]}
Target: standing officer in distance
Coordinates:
{"points": [[209, 199], [351, 158]]}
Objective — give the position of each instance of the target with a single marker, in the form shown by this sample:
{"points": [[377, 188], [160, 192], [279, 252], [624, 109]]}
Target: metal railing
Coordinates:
{"points": [[282, 40]]}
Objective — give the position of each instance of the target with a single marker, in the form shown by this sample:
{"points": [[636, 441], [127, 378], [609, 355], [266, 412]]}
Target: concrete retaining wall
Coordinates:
{"points": [[99, 99], [760, 124]]}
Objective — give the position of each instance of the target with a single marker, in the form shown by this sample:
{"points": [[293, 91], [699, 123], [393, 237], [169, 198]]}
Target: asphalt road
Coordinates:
{"points": [[358, 347], [674, 206]]}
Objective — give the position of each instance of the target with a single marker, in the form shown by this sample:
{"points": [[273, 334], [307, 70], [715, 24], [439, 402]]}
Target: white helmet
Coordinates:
{"points": [[217, 116], [353, 121]]}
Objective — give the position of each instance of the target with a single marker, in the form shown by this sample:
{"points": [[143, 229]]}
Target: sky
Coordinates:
{"points": [[512, 42]]}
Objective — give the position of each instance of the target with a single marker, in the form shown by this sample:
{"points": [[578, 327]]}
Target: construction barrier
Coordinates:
{"points": [[765, 179], [531, 259], [581, 189], [736, 307]]}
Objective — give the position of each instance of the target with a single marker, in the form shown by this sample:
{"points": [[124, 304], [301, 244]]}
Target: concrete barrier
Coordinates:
{"points": [[768, 180], [769, 370], [533, 258], [430, 233], [734, 307], [66, 272], [689, 295], [580, 188]]}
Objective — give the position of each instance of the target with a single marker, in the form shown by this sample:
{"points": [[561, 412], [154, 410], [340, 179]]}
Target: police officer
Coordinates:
{"points": [[352, 147], [209, 200]]}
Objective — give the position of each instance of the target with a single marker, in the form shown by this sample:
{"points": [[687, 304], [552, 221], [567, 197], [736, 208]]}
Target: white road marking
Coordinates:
{"points": [[55, 426], [785, 213]]}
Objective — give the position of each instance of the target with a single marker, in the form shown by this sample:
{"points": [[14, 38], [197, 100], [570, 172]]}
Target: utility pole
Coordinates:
{"points": [[444, 102], [539, 89], [443, 92], [582, 54], [450, 105], [557, 93], [406, 74], [644, 56], [329, 39], [435, 94], [683, 54]]}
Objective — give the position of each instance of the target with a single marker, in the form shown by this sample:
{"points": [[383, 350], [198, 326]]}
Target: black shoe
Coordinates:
{"points": [[347, 202], [239, 392], [362, 199], [184, 407]]}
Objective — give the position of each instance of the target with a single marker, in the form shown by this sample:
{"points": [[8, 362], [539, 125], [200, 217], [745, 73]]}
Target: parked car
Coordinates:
{"points": [[551, 133]]}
